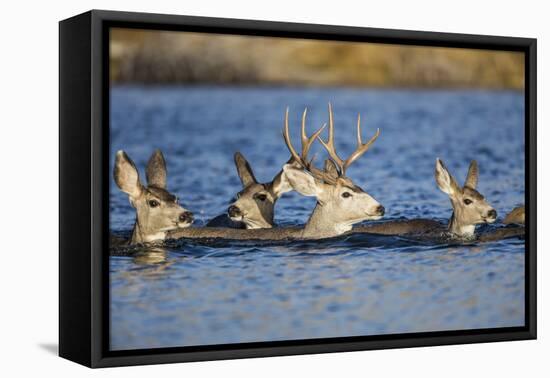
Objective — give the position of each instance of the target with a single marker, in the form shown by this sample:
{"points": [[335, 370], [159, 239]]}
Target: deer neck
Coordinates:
{"points": [[321, 225], [263, 223], [460, 228], [139, 236]]}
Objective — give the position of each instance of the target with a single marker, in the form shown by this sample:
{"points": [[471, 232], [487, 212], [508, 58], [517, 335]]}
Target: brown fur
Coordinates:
{"points": [[516, 216]]}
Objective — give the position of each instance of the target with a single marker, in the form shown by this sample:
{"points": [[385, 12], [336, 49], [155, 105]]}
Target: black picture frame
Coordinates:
{"points": [[84, 187]]}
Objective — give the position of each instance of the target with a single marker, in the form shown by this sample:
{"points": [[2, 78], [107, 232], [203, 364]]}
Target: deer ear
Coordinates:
{"points": [[126, 175], [473, 173], [156, 170], [516, 216], [331, 169], [244, 170], [301, 181], [444, 180], [280, 185]]}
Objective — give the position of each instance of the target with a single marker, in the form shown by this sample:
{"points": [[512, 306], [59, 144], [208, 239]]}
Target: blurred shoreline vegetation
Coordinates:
{"points": [[160, 57]]}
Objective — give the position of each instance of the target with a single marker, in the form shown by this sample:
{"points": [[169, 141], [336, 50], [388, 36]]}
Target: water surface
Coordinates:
{"points": [[214, 293]]}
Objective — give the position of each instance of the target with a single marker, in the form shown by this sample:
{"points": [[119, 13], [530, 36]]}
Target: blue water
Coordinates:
{"points": [[228, 292]]}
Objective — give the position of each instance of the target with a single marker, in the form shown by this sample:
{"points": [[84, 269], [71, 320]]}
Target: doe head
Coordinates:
{"points": [[255, 203], [469, 206], [157, 210]]}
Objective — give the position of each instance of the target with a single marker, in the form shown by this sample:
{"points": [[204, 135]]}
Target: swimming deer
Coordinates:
{"points": [[254, 206], [470, 208], [340, 202], [157, 210]]}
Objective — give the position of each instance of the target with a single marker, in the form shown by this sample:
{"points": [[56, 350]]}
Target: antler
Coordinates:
{"points": [[306, 145], [329, 145], [360, 150]]}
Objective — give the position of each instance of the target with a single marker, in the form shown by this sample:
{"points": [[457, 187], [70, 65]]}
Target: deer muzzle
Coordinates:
{"points": [[186, 218], [491, 216], [234, 212]]}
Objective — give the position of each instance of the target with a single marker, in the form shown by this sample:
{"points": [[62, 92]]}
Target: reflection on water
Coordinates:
{"points": [[213, 292]]}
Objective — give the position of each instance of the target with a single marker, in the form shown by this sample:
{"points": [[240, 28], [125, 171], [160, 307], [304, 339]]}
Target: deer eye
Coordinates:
{"points": [[261, 197], [346, 194], [467, 201], [154, 203]]}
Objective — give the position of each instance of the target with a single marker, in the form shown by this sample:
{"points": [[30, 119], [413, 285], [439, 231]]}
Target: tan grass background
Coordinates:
{"points": [[159, 57]]}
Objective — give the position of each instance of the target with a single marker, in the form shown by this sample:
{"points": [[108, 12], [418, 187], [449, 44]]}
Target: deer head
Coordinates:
{"points": [[469, 206], [157, 210], [340, 202], [255, 204]]}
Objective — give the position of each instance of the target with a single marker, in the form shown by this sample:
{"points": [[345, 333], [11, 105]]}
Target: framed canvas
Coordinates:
{"points": [[234, 188]]}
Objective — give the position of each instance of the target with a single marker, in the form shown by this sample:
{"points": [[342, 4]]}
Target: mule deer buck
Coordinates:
{"points": [[254, 206], [470, 208], [340, 202], [157, 210]]}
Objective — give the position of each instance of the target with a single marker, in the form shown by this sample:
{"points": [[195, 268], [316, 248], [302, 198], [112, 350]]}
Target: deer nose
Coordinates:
{"points": [[186, 217], [233, 211], [380, 210], [492, 213]]}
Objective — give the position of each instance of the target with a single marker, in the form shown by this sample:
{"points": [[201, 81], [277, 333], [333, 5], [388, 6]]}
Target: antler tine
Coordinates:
{"points": [[286, 135], [359, 142], [329, 145], [304, 135], [361, 148], [305, 141], [308, 141]]}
